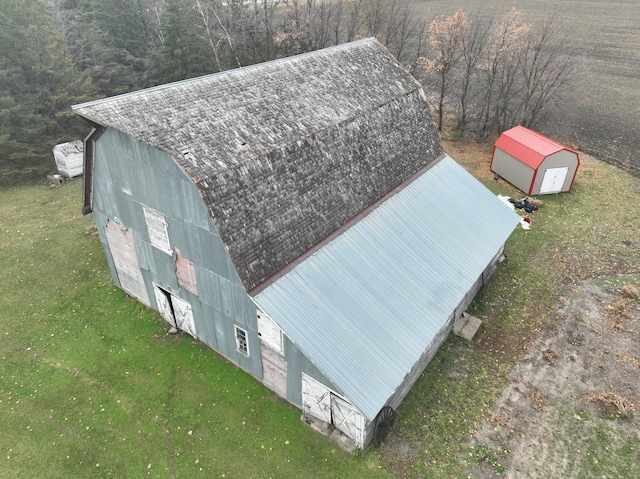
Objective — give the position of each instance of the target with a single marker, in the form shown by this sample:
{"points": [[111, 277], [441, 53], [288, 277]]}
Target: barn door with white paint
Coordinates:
{"points": [[184, 315], [348, 419], [553, 180], [125, 260], [316, 399], [176, 311], [164, 305]]}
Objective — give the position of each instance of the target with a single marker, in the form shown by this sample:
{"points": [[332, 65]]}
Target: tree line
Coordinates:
{"points": [[482, 75]]}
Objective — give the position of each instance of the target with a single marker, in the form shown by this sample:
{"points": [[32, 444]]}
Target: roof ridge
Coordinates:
{"points": [[255, 66]]}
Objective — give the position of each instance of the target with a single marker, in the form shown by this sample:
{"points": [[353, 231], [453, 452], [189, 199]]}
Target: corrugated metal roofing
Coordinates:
{"points": [[528, 146], [365, 306]]}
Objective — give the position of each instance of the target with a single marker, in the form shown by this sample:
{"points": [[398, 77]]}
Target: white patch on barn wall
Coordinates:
{"points": [[274, 364], [553, 180], [157, 227], [176, 311], [269, 332], [125, 260]]}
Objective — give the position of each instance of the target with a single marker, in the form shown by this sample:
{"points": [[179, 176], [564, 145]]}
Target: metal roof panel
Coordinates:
{"points": [[365, 306]]}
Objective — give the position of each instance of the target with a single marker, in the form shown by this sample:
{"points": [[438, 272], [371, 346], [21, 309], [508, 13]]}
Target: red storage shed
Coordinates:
{"points": [[534, 163]]}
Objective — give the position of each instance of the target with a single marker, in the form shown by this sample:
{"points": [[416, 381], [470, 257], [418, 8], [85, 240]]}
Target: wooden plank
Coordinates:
{"points": [[274, 370]]}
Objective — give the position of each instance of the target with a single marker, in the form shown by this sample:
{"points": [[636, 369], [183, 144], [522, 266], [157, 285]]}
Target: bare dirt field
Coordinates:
{"points": [[571, 406], [602, 112]]}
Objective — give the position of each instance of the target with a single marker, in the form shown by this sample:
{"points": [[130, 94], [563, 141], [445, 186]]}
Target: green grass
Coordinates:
{"points": [[574, 236], [91, 387]]}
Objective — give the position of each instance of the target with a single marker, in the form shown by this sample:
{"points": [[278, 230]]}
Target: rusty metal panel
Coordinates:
{"points": [[186, 273]]}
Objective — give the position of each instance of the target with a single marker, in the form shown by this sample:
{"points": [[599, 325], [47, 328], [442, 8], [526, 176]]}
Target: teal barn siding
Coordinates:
{"points": [[129, 176]]}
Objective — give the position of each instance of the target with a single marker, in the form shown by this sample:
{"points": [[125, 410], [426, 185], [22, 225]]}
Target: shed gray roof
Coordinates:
{"points": [[366, 305], [285, 152]]}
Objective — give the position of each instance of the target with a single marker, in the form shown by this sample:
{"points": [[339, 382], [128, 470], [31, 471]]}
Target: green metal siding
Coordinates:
{"points": [[129, 176]]}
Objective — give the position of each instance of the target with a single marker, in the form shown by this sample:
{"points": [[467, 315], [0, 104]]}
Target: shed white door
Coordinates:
{"points": [[348, 419], [553, 180], [316, 399], [175, 311]]}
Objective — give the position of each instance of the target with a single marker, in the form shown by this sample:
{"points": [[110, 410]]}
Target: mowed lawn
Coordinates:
{"points": [[90, 385]]}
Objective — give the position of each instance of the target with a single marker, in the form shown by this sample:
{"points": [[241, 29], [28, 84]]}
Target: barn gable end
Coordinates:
{"points": [[534, 163]]}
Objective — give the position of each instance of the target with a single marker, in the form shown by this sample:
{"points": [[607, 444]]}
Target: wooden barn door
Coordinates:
{"points": [[125, 260], [348, 419], [316, 399], [175, 311]]}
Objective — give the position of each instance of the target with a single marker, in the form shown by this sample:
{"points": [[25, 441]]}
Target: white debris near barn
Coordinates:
{"points": [[69, 159]]}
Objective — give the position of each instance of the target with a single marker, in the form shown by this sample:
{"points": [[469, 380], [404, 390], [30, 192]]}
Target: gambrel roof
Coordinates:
{"points": [[528, 146], [285, 152]]}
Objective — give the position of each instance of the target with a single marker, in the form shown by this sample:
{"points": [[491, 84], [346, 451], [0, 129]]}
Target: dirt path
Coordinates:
{"points": [[551, 421]]}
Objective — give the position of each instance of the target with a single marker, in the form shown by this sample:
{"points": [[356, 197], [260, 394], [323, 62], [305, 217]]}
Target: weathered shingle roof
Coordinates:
{"points": [[287, 151], [381, 291]]}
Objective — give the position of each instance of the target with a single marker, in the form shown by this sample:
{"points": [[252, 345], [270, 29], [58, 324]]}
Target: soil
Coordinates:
{"points": [[572, 397]]}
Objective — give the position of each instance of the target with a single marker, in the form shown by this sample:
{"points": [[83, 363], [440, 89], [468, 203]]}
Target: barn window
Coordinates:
{"points": [[157, 227], [242, 346]]}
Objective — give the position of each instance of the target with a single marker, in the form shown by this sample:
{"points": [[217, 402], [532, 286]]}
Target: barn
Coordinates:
{"points": [[300, 218], [534, 163]]}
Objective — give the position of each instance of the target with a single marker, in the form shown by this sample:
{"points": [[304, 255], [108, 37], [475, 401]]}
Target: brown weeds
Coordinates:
{"points": [[613, 403]]}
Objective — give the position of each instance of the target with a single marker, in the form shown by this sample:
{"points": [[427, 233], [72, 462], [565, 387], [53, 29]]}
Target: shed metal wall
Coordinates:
{"points": [[556, 160], [512, 170], [129, 176], [384, 289]]}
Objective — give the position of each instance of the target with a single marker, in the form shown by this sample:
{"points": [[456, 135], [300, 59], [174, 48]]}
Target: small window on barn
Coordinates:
{"points": [[242, 346], [157, 227]]}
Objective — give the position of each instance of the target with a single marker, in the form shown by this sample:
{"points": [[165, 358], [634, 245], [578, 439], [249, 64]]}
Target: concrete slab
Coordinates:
{"points": [[467, 326]]}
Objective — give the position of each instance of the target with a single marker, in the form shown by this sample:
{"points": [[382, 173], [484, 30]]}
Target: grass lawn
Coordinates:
{"points": [[90, 385]]}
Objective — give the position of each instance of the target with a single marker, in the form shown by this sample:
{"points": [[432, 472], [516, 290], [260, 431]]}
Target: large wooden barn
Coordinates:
{"points": [[300, 218]]}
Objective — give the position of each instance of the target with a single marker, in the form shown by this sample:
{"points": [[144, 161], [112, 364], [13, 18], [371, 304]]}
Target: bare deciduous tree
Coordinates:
{"points": [[548, 63], [445, 37]]}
